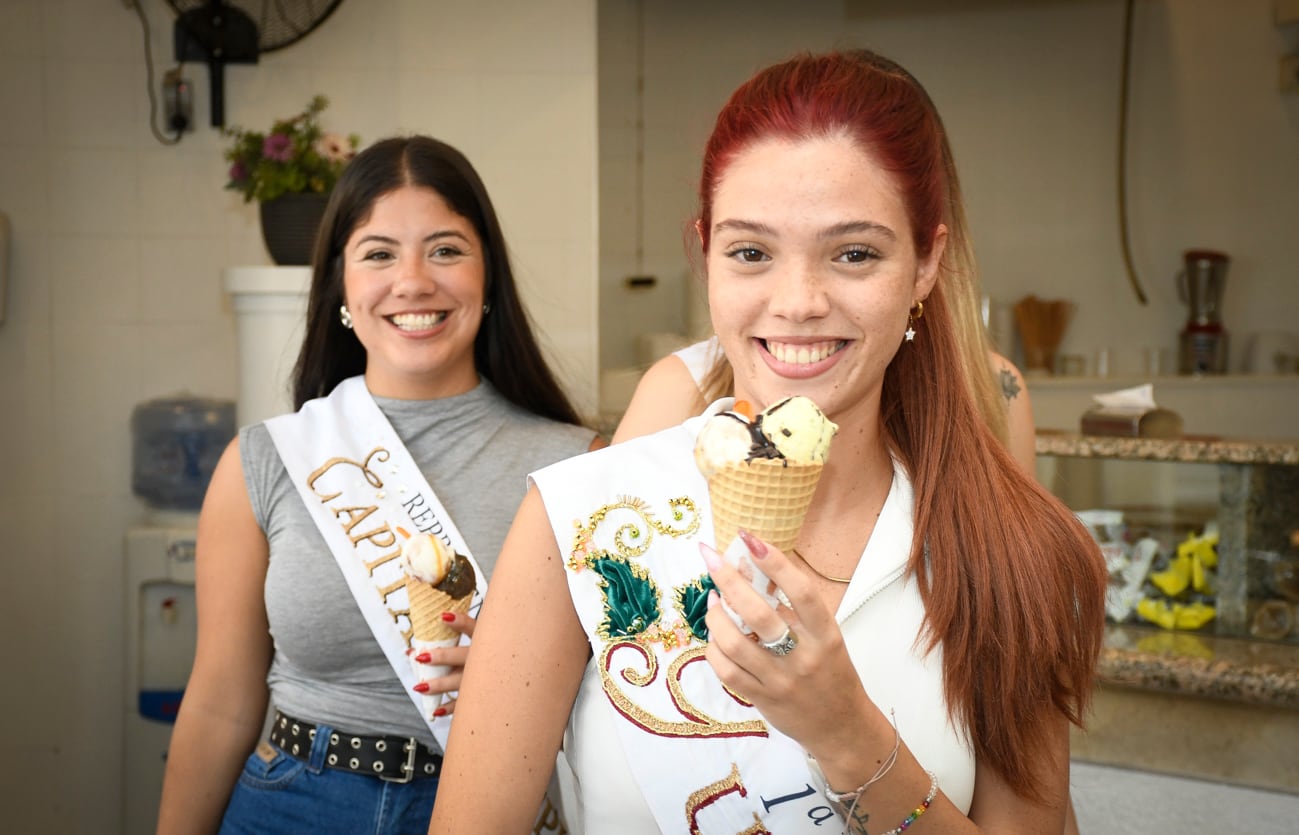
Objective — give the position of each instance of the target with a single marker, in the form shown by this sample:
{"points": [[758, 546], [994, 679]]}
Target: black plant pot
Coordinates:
{"points": [[289, 224]]}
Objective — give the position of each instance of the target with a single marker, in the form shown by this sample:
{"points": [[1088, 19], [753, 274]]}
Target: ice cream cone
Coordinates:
{"points": [[766, 497], [427, 604]]}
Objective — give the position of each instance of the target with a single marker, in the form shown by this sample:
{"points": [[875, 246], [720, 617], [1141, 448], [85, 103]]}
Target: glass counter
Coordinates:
{"points": [[1169, 492]]}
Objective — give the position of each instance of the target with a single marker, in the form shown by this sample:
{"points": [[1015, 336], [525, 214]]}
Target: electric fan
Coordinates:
{"points": [[221, 32]]}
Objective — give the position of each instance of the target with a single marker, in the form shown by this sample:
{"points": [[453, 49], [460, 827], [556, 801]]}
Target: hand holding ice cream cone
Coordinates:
{"points": [[762, 472], [439, 582]]}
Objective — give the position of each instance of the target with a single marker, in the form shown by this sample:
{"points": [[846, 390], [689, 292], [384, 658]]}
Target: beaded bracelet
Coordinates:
{"points": [[919, 810]]}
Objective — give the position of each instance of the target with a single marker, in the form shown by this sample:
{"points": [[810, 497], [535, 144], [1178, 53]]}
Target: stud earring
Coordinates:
{"points": [[345, 316], [915, 313], [487, 308]]}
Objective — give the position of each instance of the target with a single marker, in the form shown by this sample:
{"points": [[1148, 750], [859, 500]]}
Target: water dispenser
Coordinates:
{"points": [[176, 443], [161, 627]]}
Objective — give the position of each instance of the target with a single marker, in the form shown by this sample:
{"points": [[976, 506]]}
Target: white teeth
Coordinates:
{"points": [[802, 354], [418, 321]]}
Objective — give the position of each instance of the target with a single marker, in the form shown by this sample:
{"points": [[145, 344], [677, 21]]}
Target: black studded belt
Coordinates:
{"points": [[397, 759]]}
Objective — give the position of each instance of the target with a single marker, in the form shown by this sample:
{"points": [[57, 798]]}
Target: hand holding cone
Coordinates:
{"points": [[762, 472], [437, 580]]}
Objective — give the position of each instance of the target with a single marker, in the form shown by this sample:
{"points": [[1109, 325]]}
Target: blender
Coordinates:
{"points": [[1203, 344]]}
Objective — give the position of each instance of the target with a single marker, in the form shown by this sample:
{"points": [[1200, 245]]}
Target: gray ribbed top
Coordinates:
{"points": [[476, 450]]}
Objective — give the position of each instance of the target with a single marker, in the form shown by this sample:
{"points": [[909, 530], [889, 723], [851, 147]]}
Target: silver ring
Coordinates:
{"points": [[783, 645]]}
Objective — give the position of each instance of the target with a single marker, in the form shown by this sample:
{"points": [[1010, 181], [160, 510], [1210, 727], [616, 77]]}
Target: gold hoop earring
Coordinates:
{"points": [[912, 315], [345, 316]]}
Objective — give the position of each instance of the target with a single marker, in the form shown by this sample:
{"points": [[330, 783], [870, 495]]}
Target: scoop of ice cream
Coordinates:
{"points": [[427, 558], [798, 429], [794, 429], [725, 438], [460, 580]]}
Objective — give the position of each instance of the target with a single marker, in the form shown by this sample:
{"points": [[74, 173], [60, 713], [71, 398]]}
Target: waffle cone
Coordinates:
{"points": [[767, 498], [427, 603]]}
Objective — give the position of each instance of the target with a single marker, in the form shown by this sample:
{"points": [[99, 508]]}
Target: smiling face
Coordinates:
{"points": [[413, 280], [812, 270]]}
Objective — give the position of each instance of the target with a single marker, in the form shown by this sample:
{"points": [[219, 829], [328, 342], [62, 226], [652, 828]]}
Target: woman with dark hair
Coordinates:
{"points": [[422, 401], [925, 653]]}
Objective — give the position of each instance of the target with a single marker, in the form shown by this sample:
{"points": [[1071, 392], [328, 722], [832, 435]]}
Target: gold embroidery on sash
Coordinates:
{"points": [[371, 565], [549, 820], [632, 538], [377, 453], [710, 794], [697, 724], [380, 537]]}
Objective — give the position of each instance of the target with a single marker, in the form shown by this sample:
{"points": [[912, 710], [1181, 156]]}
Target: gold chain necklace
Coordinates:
{"points": [[842, 580]]}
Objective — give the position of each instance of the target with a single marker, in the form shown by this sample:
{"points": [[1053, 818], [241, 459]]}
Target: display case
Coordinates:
{"points": [[1215, 703], [1239, 497]]}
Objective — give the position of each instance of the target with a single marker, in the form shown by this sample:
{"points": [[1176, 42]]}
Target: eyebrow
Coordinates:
{"points": [[743, 226], [846, 228], [435, 236], [853, 226]]}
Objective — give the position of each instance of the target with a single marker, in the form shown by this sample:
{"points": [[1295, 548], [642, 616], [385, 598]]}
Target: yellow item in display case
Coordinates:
{"points": [[1175, 615], [1188, 568]]}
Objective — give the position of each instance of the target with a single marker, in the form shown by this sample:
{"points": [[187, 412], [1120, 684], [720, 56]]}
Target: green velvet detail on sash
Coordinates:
{"points": [[630, 598], [692, 599]]}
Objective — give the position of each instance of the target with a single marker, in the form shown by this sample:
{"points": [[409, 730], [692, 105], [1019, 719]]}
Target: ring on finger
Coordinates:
{"points": [[783, 645]]}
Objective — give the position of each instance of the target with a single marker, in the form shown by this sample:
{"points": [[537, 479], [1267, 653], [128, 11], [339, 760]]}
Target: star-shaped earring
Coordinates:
{"points": [[911, 334]]}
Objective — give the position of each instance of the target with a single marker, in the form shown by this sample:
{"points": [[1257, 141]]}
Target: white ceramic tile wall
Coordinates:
{"points": [[115, 293], [1029, 93]]}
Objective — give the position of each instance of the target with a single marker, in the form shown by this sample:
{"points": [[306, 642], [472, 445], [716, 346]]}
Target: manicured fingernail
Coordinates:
{"points": [[424, 658], [422, 687], [448, 616], [712, 598], [755, 545], [440, 712], [712, 559]]}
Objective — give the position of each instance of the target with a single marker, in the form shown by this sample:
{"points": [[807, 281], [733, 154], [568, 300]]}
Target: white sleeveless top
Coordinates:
{"points": [[631, 487], [700, 358]]}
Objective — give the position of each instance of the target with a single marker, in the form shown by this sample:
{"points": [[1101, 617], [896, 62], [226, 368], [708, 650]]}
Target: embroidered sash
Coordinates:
{"points": [[360, 484], [704, 759]]}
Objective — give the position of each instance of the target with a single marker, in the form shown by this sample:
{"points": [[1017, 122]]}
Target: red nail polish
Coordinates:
{"points": [[448, 616], [755, 545], [422, 687], [424, 658], [440, 712]]}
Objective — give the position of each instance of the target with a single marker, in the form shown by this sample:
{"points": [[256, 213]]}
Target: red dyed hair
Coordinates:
{"points": [[1012, 583]]}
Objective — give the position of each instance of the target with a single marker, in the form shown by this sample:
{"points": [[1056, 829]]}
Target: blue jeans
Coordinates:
{"points": [[287, 796]]}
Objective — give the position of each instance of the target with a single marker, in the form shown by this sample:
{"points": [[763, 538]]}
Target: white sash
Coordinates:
{"points": [[360, 484], [704, 760]]}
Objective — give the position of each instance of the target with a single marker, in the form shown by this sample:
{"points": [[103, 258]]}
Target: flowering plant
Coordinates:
{"points": [[294, 156]]}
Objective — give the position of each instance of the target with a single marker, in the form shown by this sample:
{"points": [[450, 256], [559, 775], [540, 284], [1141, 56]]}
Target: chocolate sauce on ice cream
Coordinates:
{"points": [[460, 580]]}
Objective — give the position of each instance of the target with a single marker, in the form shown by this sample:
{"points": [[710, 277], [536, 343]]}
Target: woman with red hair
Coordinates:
{"points": [[940, 632]]}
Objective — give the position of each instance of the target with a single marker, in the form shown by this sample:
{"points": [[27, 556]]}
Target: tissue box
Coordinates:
{"points": [[1132, 423]]}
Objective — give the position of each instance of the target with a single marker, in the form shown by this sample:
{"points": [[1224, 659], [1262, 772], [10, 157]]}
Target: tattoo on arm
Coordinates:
{"points": [[1009, 385], [857, 823]]}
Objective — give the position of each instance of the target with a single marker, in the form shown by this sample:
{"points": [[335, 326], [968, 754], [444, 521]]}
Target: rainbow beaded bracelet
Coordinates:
{"points": [[919, 810]]}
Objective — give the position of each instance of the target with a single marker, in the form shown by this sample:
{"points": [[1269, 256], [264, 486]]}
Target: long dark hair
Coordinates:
{"points": [[505, 349]]}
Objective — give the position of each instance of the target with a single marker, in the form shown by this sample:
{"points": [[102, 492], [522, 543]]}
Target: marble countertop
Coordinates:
{"points": [[1254, 672], [1191, 449]]}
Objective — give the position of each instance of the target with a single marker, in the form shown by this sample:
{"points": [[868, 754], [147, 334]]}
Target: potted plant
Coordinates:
{"points": [[289, 170]]}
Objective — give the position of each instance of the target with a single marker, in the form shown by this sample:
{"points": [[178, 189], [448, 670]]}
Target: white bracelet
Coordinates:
{"points": [[850, 798]]}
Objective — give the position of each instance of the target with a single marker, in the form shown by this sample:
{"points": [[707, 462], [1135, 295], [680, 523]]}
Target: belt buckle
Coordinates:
{"points": [[411, 747]]}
